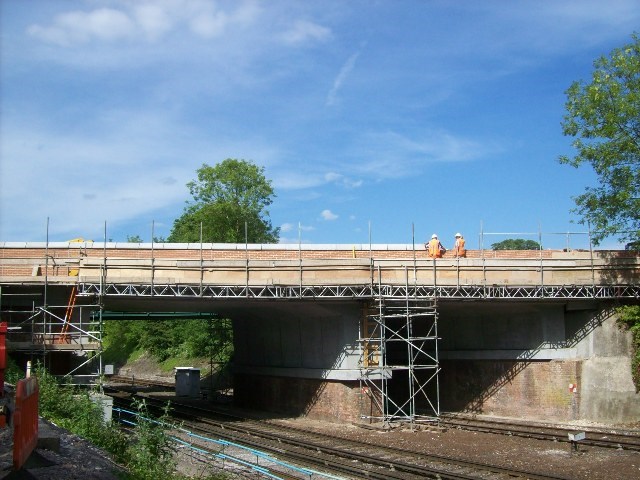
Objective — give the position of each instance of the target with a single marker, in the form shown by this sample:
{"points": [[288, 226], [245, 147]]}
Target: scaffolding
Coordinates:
{"points": [[38, 329], [399, 363]]}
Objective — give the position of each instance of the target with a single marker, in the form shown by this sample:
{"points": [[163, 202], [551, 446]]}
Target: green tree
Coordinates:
{"points": [[516, 244], [225, 197], [138, 239], [603, 116]]}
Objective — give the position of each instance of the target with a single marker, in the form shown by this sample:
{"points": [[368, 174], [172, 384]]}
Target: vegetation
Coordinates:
{"points": [[150, 455], [629, 317], [143, 453], [12, 372], [516, 244], [146, 452], [163, 339], [603, 117], [73, 410], [229, 205], [139, 239]]}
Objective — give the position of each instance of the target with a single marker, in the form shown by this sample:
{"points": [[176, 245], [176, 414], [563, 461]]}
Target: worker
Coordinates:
{"points": [[434, 247], [459, 250]]}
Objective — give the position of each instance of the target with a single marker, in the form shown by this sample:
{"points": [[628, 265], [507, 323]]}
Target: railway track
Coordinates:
{"points": [[141, 382], [333, 454], [606, 438]]}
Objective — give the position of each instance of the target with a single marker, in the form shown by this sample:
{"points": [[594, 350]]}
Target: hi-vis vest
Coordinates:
{"points": [[458, 249], [433, 248]]}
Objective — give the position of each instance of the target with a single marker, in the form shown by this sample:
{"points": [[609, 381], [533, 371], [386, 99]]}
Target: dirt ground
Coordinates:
{"points": [[537, 456]]}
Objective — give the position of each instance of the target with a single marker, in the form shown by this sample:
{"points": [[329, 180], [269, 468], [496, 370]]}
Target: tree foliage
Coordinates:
{"points": [[603, 116], [516, 244], [225, 198], [184, 338]]}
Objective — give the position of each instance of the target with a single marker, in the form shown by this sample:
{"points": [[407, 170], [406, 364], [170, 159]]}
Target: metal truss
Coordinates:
{"points": [[232, 291], [364, 291]]}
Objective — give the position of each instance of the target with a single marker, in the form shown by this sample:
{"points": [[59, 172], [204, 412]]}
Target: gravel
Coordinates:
{"points": [[78, 459]]}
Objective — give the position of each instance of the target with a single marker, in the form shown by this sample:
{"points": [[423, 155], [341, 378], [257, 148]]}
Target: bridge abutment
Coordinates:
{"points": [[544, 362]]}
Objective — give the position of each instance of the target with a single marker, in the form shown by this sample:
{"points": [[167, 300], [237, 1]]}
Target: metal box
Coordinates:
{"points": [[187, 382]]}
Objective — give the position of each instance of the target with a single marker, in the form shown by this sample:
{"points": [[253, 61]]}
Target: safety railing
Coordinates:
{"points": [[389, 267]]}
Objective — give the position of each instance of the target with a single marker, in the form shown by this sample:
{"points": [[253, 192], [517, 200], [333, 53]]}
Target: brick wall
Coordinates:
{"points": [[252, 253], [318, 399], [536, 390], [533, 390]]}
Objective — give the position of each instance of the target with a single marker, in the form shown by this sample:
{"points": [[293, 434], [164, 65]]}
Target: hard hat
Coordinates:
{"points": [[434, 236], [458, 234]]}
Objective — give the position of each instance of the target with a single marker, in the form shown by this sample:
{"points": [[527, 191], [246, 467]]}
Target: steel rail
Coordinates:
{"points": [[556, 434], [348, 448]]}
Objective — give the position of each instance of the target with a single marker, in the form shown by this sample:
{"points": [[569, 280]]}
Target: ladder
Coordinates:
{"points": [[64, 333]]}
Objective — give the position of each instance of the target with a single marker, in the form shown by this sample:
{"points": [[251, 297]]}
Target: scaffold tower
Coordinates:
{"points": [[399, 359]]}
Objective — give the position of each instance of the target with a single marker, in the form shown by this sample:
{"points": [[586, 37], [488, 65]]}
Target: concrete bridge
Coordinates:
{"points": [[359, 332]]}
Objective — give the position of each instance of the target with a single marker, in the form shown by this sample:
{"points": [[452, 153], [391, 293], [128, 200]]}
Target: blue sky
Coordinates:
{"points": [[370, 117]]}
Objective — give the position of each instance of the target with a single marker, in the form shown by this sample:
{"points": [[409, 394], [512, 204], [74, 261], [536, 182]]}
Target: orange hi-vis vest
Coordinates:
{"points": [[458, 249], [433, 248]]}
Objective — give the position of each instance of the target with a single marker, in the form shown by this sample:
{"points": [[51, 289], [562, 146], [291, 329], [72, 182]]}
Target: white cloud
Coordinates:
{"points": [[332, 177], [77, 27], [86, 184], [339, 179], [154, 20], [328, 215], [127, 164], [304, 31], [341, 77], [393, 155], [291, 228], [148, 20], [210, 24]]}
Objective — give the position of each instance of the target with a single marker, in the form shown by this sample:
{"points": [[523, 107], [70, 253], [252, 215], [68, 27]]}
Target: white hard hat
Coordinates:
{"points": [[458, 234], [434, 236]]}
